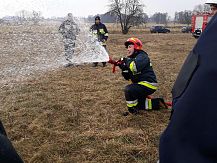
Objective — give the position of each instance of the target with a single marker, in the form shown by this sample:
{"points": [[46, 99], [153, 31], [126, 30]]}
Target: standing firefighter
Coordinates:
{"points": [[137, 68], [213, 5], [69, 30], [7, 152], [191, 135], [99, 31]]}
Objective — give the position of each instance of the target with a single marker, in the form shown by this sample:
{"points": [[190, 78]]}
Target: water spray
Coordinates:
{"points": [[87, 47]]}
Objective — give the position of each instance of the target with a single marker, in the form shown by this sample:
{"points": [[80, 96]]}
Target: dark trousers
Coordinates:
{"points": [[7, 152], [137, 92]]}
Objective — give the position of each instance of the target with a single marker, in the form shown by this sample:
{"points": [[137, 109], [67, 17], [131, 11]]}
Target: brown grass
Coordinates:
{"points": [[74, 114]]}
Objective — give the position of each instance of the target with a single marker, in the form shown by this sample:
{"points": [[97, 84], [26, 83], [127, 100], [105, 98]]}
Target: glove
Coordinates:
{"points": [[126, 74], [122, 63], [124, 59]]}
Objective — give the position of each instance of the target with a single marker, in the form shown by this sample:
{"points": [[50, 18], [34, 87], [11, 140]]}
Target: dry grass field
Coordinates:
{"points": [[67, 115]]}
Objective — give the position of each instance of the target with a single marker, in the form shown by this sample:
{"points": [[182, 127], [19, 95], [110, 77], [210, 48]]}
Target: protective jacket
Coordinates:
{"points": [[100, 31], [138, 69], [69, 29], [8, 153], [191, 136]]}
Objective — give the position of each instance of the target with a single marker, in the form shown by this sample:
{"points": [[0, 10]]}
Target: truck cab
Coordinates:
{"points": [[199, 22]]}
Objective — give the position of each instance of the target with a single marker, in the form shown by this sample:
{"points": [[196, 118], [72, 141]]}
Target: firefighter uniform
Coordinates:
{"points": [[191, 136], [100, 32], [138, 69], [69, 29], [7, 152]]}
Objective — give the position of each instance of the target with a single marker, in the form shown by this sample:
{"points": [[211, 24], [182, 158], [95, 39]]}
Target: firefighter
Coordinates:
{"points": [[137, 68], [213, 5], [7, 152], [69, 30], [99, 31], [190, 136]]}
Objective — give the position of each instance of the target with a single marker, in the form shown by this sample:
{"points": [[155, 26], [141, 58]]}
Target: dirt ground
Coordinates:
{"points": [[65, 115]]}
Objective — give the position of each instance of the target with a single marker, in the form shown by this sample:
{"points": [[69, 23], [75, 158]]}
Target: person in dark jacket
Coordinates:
{"points": [[69, 30], [7, 152], [99, 31], [191, 135], [137, 68]]}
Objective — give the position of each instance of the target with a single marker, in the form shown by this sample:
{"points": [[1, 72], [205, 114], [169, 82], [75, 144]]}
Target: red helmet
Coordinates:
{"points": [[135, 41]]}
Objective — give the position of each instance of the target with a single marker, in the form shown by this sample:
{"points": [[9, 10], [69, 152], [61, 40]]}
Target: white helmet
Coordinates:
{"points": [[211, 2]]}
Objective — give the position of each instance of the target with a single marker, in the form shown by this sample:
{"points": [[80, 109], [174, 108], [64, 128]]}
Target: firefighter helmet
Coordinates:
{"points": [[211, 2], [135, 41]]}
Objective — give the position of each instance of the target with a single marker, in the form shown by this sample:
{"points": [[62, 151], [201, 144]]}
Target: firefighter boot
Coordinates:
{"points": [[130, 110], [95, 64], [133, 110], [125, 113], [103, 64]]}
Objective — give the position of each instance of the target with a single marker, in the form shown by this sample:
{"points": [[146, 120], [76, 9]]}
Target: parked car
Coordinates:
{"points": [[186, 29], [159, 29]]}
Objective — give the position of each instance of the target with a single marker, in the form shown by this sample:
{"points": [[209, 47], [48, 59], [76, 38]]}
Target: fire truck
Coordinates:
{"points": [[199, 22]]}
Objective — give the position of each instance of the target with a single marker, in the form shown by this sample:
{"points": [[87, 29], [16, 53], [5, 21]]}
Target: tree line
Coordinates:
{"points": [[23, 17], [127, 13], [130, 13]]}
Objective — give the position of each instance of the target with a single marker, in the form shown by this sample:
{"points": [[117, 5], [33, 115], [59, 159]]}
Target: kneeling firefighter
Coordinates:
{"points": [[137, 68]]}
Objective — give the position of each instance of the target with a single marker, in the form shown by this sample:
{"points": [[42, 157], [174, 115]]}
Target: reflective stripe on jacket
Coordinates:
{"points": [[141, 70], [149, 85], [100, 31]]}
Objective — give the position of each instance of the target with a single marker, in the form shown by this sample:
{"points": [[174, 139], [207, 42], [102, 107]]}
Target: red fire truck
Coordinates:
{"points": [[199, 22]]}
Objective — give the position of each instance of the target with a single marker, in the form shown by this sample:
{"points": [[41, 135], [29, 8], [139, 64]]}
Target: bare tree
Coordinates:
{"points": [[201, 8], [22, 16], [29, 17], [160, 18], [183, 17], [126, 11], [1, 21], [36, 17], [140, 19]]}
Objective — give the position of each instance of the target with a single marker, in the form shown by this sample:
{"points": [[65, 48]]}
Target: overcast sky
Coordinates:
{"points": [[83, 8]]}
